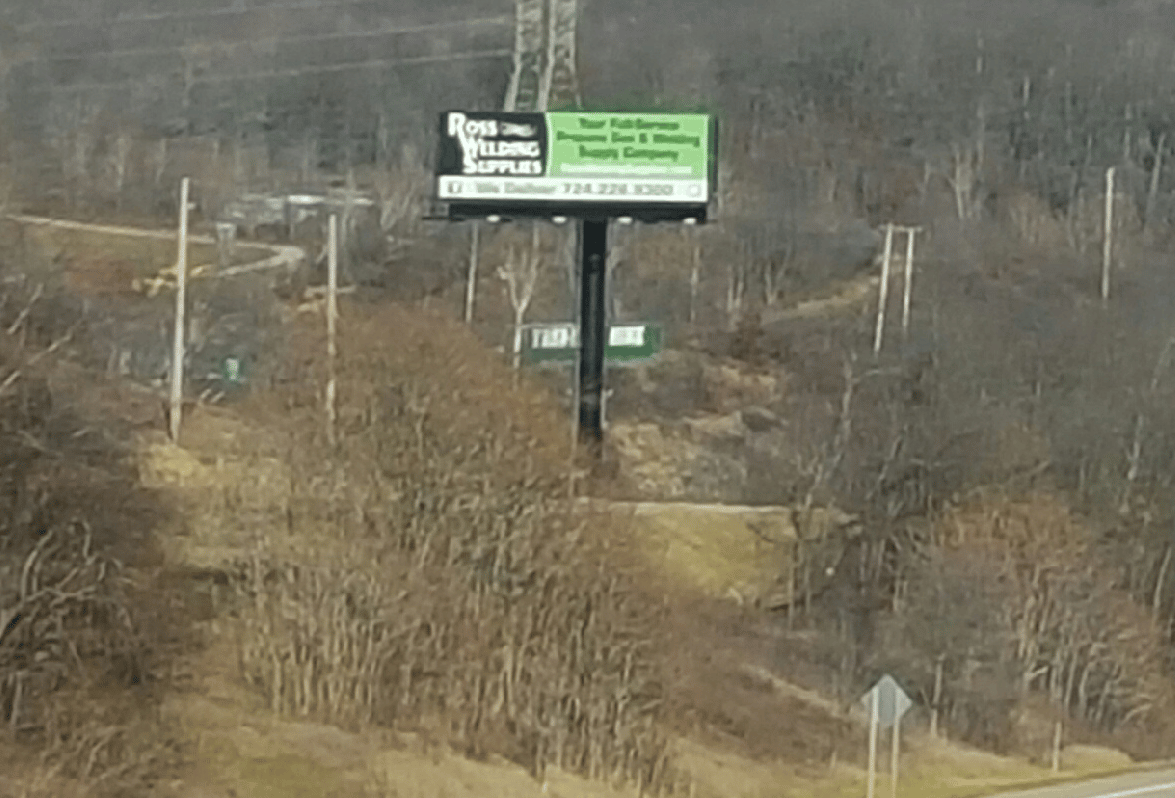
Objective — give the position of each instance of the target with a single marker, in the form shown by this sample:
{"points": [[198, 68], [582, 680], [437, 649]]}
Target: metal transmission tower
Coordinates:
{"points": [[525, 91], [560, 84], [544, 55]]}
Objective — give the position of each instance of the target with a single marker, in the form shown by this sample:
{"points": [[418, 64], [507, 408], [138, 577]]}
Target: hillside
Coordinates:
{"points": [[245, 487], [967, 487]]}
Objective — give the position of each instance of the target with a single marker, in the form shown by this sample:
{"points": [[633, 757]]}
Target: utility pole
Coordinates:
{"points": [[883, 288], [178, 343], [908, 279], [471, 276], [1108, 236], [332, 313]]}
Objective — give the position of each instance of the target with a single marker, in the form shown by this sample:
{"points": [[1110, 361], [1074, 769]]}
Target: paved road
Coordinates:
{"points": [[1155, 784]]}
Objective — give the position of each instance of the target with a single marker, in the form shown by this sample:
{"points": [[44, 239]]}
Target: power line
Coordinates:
{"points": [[264, 40], [294, 72], [130, 19]]}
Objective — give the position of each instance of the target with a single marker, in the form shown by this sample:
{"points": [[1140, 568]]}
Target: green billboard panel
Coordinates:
{"points": [[577, 163], [670, 149], [559, 343]]}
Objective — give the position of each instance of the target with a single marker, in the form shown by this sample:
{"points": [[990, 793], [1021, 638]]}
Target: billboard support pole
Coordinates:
{"points": [[592, 327]]}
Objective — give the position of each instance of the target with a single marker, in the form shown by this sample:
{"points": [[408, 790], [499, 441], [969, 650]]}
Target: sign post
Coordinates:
{"points": [[590, 166], [887, 704], [558, 345], [873, 723]]}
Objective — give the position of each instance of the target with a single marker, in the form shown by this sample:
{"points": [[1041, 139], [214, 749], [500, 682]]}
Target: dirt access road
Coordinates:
{"points": [[1153, 784], [283, 255]]}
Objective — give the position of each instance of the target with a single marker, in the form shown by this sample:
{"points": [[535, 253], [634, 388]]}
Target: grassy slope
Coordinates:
{"points": [[240, 749], [244, 748]]}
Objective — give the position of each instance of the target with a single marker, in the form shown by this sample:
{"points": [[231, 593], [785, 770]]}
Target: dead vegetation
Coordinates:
{"points": [[1055, 621], [83, 643], [442, 582], [428, 575]]}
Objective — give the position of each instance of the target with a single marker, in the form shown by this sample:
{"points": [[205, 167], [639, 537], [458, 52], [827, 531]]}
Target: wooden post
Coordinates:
{"points": [[874, 721], [178, 343], [573, 451], [883, 294], [1108, 235], [471, 278], [1157, 597], [17, 696], [895, 755], [909, 276], [1057, 747], [1152, 194], [332, 312], [937, 698]]}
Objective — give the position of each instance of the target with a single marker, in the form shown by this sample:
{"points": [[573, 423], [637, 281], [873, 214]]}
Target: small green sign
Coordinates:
{"points": [[232, 369], [559, 343]]}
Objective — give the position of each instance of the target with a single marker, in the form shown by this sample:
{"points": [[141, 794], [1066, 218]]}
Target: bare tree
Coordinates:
{"points": [[119, 165], [520, 272], [400, 188], [73, 137]]}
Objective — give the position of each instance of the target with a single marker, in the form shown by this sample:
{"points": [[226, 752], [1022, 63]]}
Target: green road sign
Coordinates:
{"points": [[559, 343], [231, 369]]}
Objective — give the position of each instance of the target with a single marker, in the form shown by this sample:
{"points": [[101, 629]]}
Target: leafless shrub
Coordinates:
{"points": [[443, 583], [1013, 593], [400, 188], [106, 745], [75, 641]]}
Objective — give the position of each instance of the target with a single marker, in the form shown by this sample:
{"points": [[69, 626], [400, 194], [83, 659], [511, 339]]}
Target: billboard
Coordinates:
{"points": [[654, 167]]}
